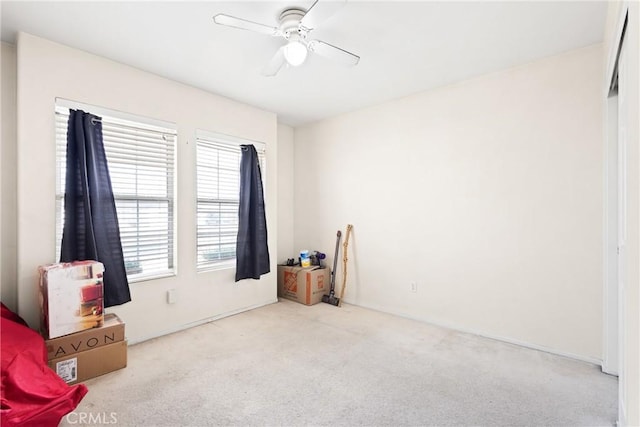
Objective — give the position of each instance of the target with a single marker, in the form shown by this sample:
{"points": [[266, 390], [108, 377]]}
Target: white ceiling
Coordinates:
{"points": [[405, 47]]}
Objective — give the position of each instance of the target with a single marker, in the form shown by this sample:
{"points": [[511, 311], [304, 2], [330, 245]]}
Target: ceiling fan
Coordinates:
{"points": [[295, 24]]}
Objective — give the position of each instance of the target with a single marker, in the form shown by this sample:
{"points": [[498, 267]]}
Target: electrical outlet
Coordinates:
{"points": [[171, 296], [414, 286]]}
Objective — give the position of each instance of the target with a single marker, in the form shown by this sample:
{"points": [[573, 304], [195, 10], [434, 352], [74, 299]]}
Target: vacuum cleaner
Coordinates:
{"points": [[331, 298]]}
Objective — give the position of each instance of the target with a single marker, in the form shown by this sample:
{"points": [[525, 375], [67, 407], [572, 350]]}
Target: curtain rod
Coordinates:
{"points": [[95, 120], [116, 114], [224, 139]]}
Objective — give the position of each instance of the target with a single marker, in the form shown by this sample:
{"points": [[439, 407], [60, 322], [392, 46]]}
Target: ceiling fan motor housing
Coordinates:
{"points": [[290, 22]]}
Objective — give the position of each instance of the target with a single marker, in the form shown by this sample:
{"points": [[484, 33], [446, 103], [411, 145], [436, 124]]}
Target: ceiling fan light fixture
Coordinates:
{"points": [[295, 52], [295, 24]]}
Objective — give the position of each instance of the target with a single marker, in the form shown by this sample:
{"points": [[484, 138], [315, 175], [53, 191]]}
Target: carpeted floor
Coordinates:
{"points": [[292, 365]]}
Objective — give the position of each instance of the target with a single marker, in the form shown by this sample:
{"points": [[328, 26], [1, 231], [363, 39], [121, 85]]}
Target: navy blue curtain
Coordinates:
{"points": [[252, 252], [91, 230]]}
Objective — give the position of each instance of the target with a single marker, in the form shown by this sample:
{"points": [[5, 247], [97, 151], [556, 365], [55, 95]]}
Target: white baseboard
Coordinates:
{"points": [[485, 335], [382, 310], [201, 322], [607, 369], [622, 414]]}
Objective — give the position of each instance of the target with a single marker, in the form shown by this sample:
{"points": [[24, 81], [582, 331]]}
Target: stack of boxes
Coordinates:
{"points": [[82, 342]]}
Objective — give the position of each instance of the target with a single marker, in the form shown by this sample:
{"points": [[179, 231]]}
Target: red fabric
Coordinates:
{"points": [[32, 394]]}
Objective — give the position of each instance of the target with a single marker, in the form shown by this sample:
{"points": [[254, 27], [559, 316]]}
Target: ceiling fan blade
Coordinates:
{"points": [[334, 53], [320, 11], [243, 24], [274, 65]]}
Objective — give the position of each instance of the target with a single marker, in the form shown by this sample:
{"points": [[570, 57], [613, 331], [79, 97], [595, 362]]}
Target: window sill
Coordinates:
{"points": [[225, 265], [147, 278]]}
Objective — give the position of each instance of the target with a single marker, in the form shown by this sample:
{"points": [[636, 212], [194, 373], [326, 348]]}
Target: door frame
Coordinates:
{"points": [[611, 345], [613, 298]]}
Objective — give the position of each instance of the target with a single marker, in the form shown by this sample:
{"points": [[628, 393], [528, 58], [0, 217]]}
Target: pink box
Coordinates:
{"points": [[71, 297]]}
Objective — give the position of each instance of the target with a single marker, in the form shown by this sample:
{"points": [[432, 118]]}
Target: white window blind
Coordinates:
{"points": [[141, 159], [218, 191]]}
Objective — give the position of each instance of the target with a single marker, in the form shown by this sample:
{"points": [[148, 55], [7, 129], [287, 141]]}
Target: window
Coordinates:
{"points": [[218, 191], [141, 157]]}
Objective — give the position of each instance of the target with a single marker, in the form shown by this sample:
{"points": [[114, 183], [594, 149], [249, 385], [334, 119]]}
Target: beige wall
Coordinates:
{"points": [[47, 70], [8, 177], [285, 193], [487, 193]]}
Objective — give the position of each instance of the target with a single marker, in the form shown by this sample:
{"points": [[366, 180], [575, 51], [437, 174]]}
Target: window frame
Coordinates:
{"points": [[232, 143], [130, 121]]}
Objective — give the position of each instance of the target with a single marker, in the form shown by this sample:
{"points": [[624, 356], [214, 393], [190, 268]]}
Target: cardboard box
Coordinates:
{"points": [[70, 297], [305, 285], [92, 363], [110, 332]]}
